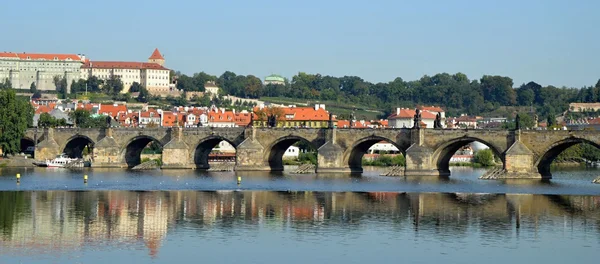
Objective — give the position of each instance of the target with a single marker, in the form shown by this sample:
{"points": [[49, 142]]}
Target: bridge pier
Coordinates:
{"points": [[250, 155], [330, 156], [419, 158], [176, 153], [107, 153], [519, 161], [47, 148]]}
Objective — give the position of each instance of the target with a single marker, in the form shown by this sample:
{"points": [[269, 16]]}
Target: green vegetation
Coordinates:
{"points": [[303, 158], [46, 120], [457, 93], [16, 114], [384, 160], [484, 157], [158, 161], [83, 118], [579, 151]]}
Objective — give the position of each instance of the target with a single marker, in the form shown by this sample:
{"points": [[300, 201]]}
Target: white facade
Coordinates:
{"points": [[225, 147], [291, 153], [23, 69], [383, 147], [152, 74]]}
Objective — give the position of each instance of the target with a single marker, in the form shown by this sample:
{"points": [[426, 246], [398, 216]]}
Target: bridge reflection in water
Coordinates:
{"points": [[51, 221]]}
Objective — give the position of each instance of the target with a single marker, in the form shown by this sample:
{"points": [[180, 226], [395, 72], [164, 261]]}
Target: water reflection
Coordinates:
{"points": [[47, 221]]}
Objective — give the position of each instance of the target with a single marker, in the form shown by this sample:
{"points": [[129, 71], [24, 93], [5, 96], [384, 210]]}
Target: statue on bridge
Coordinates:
{"points": [[517, 122], [437, 124], [272, 121], [108, 121], [330, 120], [417, 119]]}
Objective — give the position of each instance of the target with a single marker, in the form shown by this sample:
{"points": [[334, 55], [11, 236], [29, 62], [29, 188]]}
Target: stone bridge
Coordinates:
{"points": [[524, 153]]}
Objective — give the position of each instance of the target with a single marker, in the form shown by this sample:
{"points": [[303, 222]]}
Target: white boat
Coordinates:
{"points": [[60, 161]]}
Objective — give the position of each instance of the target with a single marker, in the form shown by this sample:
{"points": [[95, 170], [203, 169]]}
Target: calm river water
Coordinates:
{"points": [[187, 216]]}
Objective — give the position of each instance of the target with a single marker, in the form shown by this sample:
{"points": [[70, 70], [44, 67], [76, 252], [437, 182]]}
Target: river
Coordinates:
{"points": [[184, 216]]}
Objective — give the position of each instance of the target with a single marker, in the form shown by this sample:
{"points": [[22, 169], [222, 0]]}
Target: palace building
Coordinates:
{"points": [[152, 74], [23, 69]]}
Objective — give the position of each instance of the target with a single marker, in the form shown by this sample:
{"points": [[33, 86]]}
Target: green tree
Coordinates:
{"points": [[143, 96], [135, 87], [83, 118], [46, 120], [61, 85], [485, 157], [113, 85], [6, 84], [32, 88], [16, 115], [94, 84]]}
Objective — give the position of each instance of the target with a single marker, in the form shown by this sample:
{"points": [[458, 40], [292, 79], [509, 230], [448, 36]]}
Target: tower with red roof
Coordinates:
{"points": [[157, 58]]}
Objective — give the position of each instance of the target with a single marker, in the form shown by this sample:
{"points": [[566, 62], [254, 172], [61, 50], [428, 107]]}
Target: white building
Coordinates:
{"points": [[152, 74], [211, 88], [291, 153], [23, 69], [383, 147], [404, 118]]}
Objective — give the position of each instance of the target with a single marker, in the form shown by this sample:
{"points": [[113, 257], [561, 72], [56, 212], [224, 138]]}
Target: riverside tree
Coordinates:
{"points": [[16, 115]]}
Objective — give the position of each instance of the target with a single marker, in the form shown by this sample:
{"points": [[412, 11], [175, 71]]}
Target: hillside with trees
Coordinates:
{"points": [[455, 92]]}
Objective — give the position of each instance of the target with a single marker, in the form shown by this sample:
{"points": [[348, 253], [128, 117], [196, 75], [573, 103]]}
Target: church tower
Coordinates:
{"points": [[157, 58]]}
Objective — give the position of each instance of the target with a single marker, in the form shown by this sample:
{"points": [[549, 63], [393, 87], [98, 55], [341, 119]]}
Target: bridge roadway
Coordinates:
{"points": [[524, 153]]}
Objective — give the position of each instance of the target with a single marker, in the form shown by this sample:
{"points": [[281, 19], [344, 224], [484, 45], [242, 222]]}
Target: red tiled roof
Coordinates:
{"points": [[43, 109], [218, 116], [242, 119], [122, 65], [156, 55], [40, 56], [431, 108], [169, 119], [343, 123], [147, 113], [112, 110], [410, 113]]}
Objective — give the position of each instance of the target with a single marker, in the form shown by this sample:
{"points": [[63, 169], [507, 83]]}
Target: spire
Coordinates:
{"points": [[156, 55]]}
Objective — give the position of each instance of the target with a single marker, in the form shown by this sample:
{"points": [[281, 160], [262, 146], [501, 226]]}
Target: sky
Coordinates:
{"points": [[551, 42]]}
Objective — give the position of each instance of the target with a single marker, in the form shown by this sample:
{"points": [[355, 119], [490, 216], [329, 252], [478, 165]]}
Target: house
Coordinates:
{"points": [[151, 117], [221, 118], [211, 88], [292, 116], [404, 118], [291, 153], [111, 110]]}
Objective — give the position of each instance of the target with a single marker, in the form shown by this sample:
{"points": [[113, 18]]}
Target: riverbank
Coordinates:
{"points": [[16, 162]]}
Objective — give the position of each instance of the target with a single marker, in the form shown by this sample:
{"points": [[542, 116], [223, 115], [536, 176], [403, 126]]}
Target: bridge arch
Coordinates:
{"points": [[354, 155], [444, 152], [25, 143], [132, 150], [75, 146], [275, 151], [548, 156], [204, 147]]}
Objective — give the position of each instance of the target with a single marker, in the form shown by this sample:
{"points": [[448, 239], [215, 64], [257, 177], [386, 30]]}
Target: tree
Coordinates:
{"points": [[485, 157], [94, 84], [15, 116], [6, 84], [135, 87], [143, 96], [32, 88], [113, 85], [61, 85], [46, 120], [36, 95], [83, 118]]}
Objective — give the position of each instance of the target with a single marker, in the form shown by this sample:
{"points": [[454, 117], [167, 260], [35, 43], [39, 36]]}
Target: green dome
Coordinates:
{"points": [[274, 78]]}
